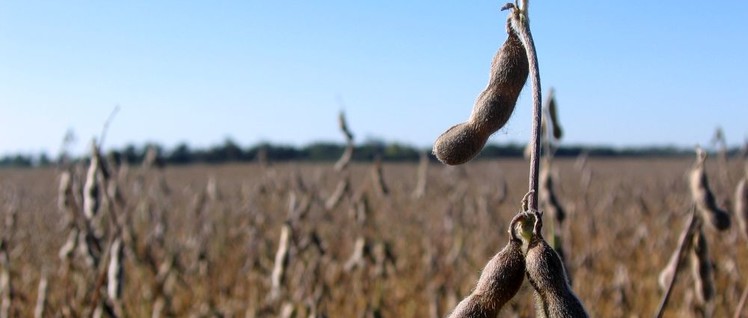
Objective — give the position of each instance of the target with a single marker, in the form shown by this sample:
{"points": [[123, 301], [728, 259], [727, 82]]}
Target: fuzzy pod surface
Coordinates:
{"points": [[704, 199], [667, 274], [548, 197], [701, 266], [499, 281], [492, 108], [546, 273]]}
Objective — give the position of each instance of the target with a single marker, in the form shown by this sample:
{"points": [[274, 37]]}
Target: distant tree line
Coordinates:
{"points": [[230, 151]]}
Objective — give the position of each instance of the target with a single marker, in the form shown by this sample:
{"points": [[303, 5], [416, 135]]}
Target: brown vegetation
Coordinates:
{"points": [[193, 249]]}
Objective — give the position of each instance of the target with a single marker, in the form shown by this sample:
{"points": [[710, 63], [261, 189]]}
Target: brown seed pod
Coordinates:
{"points": [[558, 246], [684, 243], [345, 158], [116, 275], [703, 197], [548, 198], [741, 206], [498, 283], [701, 266], [493, 107], [666, 275], [553, 113], [546, 273]]}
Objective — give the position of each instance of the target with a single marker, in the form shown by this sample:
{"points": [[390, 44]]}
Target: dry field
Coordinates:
{"points": [[203, 241]]}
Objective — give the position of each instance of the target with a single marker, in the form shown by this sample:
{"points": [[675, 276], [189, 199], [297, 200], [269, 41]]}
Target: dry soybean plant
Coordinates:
{"points": [[703, 196], [741, 214], [377, 178], [421, 180], [669, 274], [701, 269], [499, 281], [41, 297], [719, 143], [345, 159], [551, 134], [557, 131], [527, 251], [341, 166], [547, 275], [693, 242], [741, 204], [190, 255], [6, 286], [550, 127], [281, 262], [493, 107]]}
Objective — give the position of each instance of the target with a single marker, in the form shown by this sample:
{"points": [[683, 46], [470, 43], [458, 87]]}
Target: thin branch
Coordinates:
{"points": [[522, 26], [525, 6], [550, 126], [106, 125], [348, 153], [682, 246], [741, 304]]}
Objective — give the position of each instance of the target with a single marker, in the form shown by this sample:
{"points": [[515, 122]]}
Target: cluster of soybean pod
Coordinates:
{"points": [[527, 253]]}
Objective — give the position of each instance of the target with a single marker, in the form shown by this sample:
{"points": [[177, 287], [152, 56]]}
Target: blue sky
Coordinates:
{"points": [[626, 73]]}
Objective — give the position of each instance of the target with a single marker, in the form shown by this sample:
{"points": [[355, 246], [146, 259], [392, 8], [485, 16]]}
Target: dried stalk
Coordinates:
{"points": [[102, 269], [741, 304], [65, 198], [345, 159], [521, 23], [547, 197], [107, 122], [6, 287], [71, 243], [703, 197], [684, 244], [342, 188], [741, 206], [41, 298], [702, 273], [281, 262], [91, 189], [151, 159], [423, 166], [552, 109], [360, 251], [377, 177], [115, 275]]}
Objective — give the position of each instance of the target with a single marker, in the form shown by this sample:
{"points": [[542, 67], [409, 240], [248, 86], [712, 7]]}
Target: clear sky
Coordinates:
{"points": [[626, 73]]}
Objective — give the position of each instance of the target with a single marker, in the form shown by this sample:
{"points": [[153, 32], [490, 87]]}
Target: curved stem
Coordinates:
{"points": [[683, 245], [522, 26], [524, 6], [741, 304]]}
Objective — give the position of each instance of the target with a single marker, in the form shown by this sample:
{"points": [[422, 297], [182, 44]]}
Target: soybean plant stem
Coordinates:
{"points": [[106, 125], [522, 26], [741, 303], [684, 244]]}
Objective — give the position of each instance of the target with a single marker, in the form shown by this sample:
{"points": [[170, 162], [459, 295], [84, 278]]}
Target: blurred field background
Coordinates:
{"points": [[203, 239]]}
